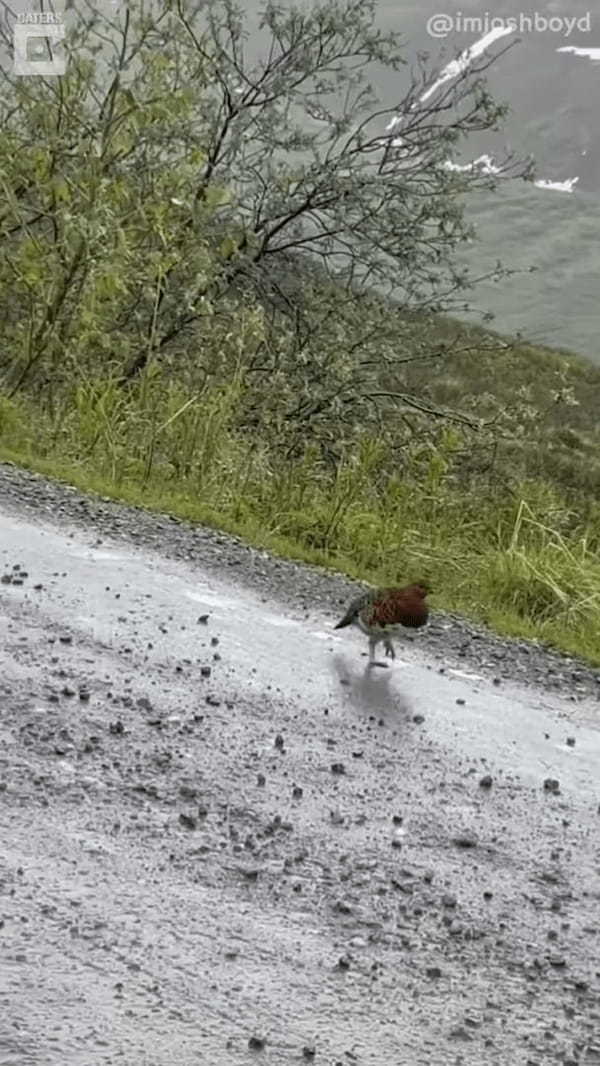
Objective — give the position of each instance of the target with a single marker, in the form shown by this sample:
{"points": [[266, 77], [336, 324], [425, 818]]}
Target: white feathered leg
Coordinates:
{"points": [[373, 642]]}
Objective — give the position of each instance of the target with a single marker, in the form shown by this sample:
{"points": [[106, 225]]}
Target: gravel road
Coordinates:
{"points": [[224, 840]]}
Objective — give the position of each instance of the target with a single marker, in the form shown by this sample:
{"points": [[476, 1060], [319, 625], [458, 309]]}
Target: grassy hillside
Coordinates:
{"points": [[503, 518], [550, 399]]}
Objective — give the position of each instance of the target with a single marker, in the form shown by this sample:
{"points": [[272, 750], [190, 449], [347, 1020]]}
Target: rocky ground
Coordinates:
{"points": [[223, 842]]}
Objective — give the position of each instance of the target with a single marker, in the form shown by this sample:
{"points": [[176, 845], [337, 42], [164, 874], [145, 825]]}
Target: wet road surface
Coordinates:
{"points": [[224, 840]]}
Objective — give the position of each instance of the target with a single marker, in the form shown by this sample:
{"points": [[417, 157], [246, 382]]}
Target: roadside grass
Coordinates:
{"points": [[525, 562]]}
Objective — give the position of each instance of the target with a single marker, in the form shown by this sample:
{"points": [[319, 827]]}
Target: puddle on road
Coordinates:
{"points": [[99, 555], [464, 675], [211, 599]]}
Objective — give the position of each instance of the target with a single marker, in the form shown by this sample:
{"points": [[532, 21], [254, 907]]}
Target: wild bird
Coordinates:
{"points": [[381, 613]]}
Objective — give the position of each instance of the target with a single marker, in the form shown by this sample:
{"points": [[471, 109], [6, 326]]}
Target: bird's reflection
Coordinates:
{"points": [[369, 689]]}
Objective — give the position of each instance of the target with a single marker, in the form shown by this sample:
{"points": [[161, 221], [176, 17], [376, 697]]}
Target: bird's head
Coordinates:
{"points": [[422, 588]]}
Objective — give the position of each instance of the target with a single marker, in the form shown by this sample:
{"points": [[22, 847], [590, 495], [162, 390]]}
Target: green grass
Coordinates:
{"points": [[519, 556]]}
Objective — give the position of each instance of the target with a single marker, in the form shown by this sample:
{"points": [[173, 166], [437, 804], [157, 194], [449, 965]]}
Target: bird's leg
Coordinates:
{"points": [[389, 648], [373, 642]]}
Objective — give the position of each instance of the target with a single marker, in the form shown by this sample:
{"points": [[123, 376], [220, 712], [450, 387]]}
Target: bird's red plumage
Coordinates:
{"points": [[398, 606]]}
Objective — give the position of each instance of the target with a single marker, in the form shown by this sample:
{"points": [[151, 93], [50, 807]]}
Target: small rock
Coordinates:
{"points": [[448, 900], [309, 1051], [205, 671], [465, 839], [257, 1043], [433, 972], [66, 639], [203, 619], [342, 907], [418, 719], [343, 963], [486, 781], [473, 1023], [358, 942], [571, 742], [338, 768], [187, 792], [116, 728], [459, 1033], [461, 702], [279, 742], [261, 780], [552, 785], [297, 792], [188, 821]]}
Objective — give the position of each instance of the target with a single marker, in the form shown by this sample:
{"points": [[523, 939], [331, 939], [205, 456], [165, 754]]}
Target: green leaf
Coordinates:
{"points": [[217, 196], [228, 247], [61, 190]]}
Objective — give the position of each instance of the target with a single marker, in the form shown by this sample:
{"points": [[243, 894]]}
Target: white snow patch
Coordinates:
{"points": [[587, 53], [557, 186], [485, 163], [458, 66]]}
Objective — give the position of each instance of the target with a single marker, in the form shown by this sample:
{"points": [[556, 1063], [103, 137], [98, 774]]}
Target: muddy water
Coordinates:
{"points": [[223, 839]]}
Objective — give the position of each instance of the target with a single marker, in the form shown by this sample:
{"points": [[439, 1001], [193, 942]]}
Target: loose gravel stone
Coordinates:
{"points": [[465, 839], [552, 785]]}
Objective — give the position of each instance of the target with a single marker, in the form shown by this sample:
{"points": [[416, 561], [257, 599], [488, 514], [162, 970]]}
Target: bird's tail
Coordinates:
{"points": [[349, 617]]}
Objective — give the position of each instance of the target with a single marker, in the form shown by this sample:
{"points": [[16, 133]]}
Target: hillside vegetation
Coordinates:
{"points": [[507, 526], [182, 330]]}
